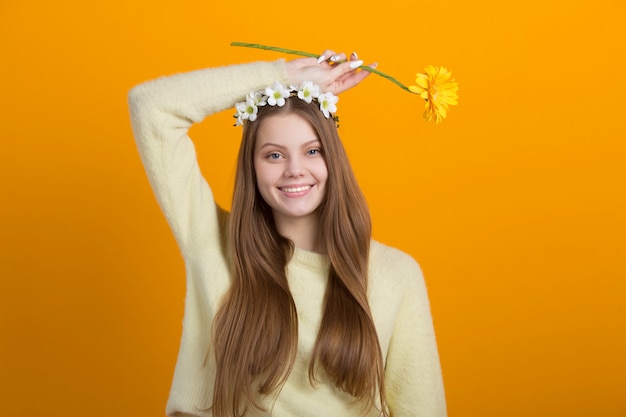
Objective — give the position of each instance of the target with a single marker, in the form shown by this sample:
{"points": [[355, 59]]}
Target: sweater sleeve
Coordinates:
{"points": [[162, 111], [413, 372]]}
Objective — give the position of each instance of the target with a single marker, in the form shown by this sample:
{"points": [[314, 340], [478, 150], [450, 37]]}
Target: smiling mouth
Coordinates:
{"points": [[295, 189]]}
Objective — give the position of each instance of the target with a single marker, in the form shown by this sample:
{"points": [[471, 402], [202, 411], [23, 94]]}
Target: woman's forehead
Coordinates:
{"points": [[285, 130]]}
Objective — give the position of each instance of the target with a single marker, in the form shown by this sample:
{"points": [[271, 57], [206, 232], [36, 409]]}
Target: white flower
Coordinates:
{"points": [[257, 98], [276, 94], [327, 103], [308, 91], [247, 110]]}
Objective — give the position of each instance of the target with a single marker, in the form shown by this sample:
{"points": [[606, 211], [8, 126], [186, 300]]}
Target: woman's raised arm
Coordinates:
{"points": [[162, 111]]}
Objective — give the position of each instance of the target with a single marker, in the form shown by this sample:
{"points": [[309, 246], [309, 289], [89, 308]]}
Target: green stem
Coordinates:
{"points": [[307, 54]]}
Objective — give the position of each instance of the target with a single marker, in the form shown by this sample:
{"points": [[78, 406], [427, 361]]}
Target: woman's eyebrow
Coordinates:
{"points": [[276, 145]]}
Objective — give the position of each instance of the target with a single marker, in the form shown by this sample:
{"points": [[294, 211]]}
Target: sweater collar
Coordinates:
{"points": [[309, 260]]}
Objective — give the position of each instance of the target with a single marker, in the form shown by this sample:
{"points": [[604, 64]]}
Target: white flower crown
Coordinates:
{"points": [[276, 94]]}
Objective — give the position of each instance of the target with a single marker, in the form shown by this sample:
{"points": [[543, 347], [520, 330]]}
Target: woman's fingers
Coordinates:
{"points": [[332, 71], [331, 56], [353, 58], [325, 56], [349, 77]]}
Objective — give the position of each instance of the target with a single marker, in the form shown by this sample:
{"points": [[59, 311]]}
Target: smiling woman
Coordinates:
{"points": [[292, 308]]}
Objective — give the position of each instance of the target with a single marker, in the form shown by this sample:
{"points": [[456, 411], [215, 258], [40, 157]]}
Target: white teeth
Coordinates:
{"points": [[296, 189]]}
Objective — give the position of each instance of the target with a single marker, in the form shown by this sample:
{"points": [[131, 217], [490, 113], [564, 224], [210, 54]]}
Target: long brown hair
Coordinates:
{"points": [[255, 332]]}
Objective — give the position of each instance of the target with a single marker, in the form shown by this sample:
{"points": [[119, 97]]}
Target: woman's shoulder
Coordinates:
{"points": [[393, 276], [393, 263], [381, 253]]}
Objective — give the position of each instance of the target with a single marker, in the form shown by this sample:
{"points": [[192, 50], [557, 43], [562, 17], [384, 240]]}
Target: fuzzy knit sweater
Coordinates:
{"points": [[162, 112]]}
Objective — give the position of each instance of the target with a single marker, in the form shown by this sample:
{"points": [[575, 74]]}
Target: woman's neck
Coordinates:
{"points": [[303, 232]]}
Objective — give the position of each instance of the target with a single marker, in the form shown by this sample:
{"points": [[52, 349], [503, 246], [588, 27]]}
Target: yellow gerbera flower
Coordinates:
{"points": [[438, 89]]}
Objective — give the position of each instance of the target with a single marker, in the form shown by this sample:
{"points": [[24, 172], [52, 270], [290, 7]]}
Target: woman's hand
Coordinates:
{"points": [[330, 77]]}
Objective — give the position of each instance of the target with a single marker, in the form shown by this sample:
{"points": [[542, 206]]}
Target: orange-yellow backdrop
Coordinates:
{"points": [[514, 206]]}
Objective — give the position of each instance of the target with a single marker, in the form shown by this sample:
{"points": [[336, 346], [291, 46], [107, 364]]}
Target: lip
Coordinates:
{"points": [[296, 190]]}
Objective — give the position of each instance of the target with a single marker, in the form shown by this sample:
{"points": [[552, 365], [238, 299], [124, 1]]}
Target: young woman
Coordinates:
{"points": [[291, 308]]}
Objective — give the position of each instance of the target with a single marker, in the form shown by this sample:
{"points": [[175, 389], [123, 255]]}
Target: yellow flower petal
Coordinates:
{"points": [[437, 87]]}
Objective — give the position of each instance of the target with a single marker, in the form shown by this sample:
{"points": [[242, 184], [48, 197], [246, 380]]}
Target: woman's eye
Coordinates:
{"points": [[273, 155], [314, 151]]}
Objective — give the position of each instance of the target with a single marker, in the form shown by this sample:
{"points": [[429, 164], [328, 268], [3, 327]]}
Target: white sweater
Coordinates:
{"points": [[162, 111]]}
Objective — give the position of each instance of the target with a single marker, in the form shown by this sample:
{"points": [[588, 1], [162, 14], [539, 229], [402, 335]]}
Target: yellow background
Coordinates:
{"points": [[514, 205]]}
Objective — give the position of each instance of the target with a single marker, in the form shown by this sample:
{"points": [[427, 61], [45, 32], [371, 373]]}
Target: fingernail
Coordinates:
{"points": [[335, 58], [321, 59], [374, 65], [356, 64], [355, 55]]}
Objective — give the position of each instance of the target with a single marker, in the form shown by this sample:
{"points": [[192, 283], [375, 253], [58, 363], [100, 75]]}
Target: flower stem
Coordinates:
{"points": [[307, 54], [273, 48]]}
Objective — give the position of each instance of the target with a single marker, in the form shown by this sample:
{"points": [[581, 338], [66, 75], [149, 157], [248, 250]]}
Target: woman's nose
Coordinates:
{"points": [[295, 167]]}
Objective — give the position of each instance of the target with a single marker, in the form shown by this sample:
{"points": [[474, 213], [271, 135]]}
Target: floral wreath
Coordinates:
{"points": [[276, 94]]}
